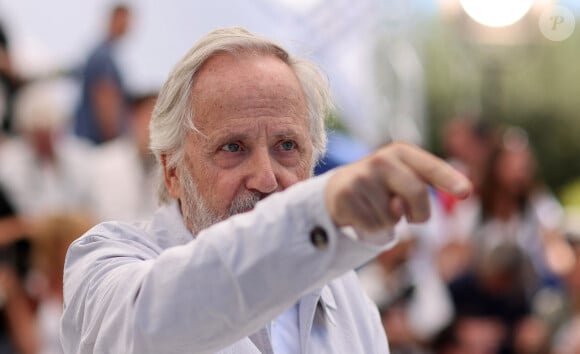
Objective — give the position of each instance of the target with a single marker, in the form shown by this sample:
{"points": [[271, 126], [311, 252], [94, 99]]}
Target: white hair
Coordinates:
{"points": [[173, 115]]}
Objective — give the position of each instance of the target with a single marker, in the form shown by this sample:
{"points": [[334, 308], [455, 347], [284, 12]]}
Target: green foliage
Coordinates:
{"points": [[570, 194], [533, 85]]}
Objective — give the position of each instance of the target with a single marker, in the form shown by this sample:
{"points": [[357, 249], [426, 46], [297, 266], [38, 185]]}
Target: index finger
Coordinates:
{"points": [[434, 171]]}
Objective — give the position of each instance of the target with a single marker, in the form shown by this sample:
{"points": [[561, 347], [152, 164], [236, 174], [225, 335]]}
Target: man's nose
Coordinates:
{"points": [[261, 174]]}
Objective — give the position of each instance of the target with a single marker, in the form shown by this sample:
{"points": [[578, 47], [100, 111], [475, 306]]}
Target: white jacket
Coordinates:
{"points": [[152, 288]]}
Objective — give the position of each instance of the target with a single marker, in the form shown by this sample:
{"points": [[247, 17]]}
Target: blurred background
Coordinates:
{"points": [[398, 69], [490, 85]]}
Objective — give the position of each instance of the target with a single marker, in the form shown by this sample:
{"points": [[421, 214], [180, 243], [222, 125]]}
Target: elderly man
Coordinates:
{"points": [[217, 269]]}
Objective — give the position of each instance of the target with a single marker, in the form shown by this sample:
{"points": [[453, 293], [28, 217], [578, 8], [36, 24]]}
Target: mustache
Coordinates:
{"points": [[245, 202]]}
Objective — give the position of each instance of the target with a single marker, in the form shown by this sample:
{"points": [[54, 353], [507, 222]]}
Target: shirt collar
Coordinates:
{"points": [[328, 303], [168, 226]]}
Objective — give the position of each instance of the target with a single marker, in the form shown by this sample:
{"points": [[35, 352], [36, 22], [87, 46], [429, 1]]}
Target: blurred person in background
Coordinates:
{"points": [[517, 207], [124, 182], [510, 204], [12, 227], [471, 335], [16, 312], [44, 170], [517, 211], [101, 114], [9, 84], [17, 324], [495, 290], [51, 237], [468, 143], [567, 337]]}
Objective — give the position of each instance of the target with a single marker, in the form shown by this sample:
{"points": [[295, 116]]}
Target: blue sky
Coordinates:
{"points": [[573, 5]]}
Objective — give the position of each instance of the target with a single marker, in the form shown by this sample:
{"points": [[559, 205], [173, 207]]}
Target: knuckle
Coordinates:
{"points": [[382, 161], [350, 195], [345, 195], [362, 180], [418, 191], [399, 146], [358, 178]]}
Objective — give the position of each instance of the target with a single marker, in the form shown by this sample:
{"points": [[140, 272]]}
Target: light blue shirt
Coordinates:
{"points": [[153, 288], [285, 332]]}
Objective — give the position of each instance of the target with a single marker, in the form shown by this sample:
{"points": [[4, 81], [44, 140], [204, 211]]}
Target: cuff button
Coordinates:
{"points": [[319, 238]]}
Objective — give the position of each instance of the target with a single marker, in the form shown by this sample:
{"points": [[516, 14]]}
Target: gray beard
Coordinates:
{"points": [[198, 216]]}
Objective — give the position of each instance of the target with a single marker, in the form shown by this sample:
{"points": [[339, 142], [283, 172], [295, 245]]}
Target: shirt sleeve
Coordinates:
{"points": [[236, 276]]}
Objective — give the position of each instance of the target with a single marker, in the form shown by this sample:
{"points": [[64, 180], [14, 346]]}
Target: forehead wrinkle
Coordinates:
{"points": [[247, 102], [255, 107], [227, 133], [277, 86], [245, 132], [256, 90]]}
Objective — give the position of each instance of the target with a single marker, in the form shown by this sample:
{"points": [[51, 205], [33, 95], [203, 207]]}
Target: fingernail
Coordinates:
{"points": [[462, 188]]}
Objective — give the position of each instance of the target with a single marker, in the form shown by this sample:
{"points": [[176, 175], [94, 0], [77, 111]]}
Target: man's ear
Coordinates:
{"points": [[171, 176]]}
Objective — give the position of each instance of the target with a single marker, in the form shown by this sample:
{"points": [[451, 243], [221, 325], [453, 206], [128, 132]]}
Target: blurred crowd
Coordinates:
{"points": [[498, 272], [495, 273], [61, 171]]}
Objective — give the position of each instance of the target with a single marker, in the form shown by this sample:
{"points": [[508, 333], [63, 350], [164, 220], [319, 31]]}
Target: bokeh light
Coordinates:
{"points": [[496, 13]]}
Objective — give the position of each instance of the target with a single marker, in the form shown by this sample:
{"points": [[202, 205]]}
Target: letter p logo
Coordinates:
{"points": [[557, 23], [556, 20]]}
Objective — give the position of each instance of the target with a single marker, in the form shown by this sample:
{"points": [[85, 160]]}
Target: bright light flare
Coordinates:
{"points": [[496, 13]]}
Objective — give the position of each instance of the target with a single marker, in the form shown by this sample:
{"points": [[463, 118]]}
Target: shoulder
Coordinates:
{"points": [[115, 235], [107, 243], [107, 247]]}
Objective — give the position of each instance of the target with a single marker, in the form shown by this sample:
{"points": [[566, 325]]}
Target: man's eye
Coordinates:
{"points": [[288, 145], [231, 147]]}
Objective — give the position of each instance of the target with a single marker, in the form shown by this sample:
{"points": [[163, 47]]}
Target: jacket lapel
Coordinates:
{"points": [[263, 341], [307, 308], [306, 311]]}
